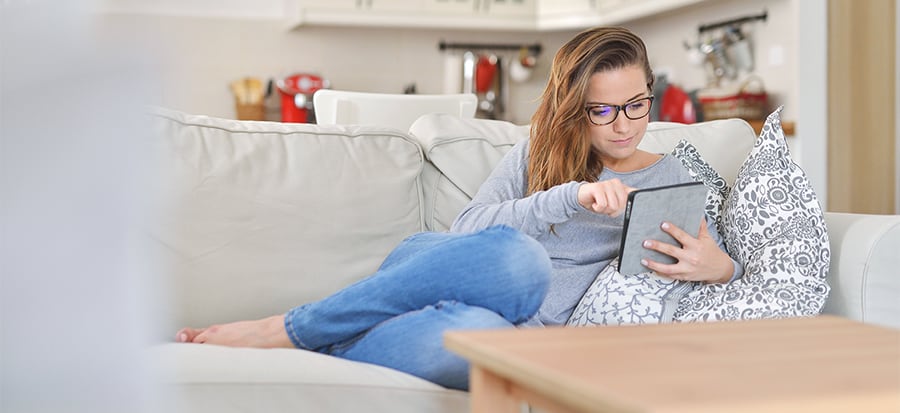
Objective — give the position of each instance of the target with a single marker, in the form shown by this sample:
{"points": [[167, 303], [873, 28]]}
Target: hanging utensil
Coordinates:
{"points": [[717, 63], [468, 72], [520, 69], [485, 71], [738, 49]]}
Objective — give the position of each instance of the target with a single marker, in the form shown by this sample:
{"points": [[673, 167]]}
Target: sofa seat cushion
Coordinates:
{"points": [[258, 217], [222, 379]]}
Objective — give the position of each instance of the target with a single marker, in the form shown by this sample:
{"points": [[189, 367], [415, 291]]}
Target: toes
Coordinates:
{"points": [[188, 335], [200, 338], [182, 335]]}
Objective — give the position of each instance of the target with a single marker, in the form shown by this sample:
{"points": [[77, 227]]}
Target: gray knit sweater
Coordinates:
{"points": [[584, 242]]}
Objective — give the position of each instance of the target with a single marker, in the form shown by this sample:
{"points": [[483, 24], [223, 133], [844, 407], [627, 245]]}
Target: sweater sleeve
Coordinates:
{"points": [[501, 200]]}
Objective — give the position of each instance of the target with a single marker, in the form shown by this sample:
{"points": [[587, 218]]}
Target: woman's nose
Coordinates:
{"points": [[621, 123]]}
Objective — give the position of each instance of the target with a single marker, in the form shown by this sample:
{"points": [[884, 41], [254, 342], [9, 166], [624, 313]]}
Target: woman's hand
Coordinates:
{"points": [[605, 197], [699, 259]]}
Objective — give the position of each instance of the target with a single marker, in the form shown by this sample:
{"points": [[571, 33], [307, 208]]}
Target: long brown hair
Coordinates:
{"points": [[560, 150]]}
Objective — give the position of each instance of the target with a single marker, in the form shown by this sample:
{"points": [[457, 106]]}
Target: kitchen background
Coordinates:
{"points": [[205, 49], [204, 45]]}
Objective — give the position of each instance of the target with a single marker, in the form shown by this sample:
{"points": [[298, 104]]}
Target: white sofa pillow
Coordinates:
{"points": [[258, 217], [463, 152], [724, 142]]}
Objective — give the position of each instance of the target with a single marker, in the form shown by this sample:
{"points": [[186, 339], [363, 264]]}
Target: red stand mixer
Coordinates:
{"points": [[297, 97]]}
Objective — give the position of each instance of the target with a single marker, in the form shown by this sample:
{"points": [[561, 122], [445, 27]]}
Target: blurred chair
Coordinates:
{"points": [[391, 110]]}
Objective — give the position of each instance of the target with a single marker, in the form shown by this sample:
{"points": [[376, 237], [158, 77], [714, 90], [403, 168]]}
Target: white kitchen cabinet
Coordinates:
{"points": [[407, 6], [481, 7], [360, 5], [454, 7], [619, 11], [578, 14], [523, 8], [383, 13], [481, 14], [565, 14], [564, 7], [446, 14], [531, 15]]}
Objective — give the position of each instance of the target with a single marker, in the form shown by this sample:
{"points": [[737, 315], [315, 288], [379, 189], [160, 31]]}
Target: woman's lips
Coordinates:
{"points": [[622, 142]]}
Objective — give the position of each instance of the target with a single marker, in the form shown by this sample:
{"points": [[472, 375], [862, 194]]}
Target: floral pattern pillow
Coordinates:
{"points": [[772, 223], [701, 171], [617, 299]]}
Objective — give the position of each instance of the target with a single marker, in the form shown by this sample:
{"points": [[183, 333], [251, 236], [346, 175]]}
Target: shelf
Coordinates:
{"points": [[787, 126]]}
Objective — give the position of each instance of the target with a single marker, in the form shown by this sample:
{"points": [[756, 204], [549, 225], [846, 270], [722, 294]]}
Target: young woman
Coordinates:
{"points": [[526, 248]]}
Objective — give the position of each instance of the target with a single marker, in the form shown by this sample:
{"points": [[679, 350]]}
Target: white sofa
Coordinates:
{"points": [[257, 217]]}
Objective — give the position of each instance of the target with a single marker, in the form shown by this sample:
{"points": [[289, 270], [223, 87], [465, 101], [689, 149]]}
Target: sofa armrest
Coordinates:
{"points": [[865, 267]]}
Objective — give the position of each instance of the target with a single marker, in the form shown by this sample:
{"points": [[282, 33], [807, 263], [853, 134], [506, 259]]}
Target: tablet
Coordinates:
{"points": [[682, 205]]}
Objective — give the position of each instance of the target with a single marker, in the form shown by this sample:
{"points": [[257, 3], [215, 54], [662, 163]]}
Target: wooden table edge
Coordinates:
{"points": [[492, 363]]}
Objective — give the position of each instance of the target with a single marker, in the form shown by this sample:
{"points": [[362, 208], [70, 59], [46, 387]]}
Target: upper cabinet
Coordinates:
{"points": [[482, 7], [365, 5], [576, 14], [446, 14], [475, 14]]}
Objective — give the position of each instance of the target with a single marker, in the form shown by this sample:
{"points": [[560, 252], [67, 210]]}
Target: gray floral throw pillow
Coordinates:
{"points": [[701, 171], [617, 299], [772, 223]]}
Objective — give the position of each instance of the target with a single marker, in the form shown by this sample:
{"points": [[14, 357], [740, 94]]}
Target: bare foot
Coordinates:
{"points": [[265, 333]]}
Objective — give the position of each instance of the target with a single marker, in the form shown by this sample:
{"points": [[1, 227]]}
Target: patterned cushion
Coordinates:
{"points": [[616, 299], [701, 171], [773, 224]]}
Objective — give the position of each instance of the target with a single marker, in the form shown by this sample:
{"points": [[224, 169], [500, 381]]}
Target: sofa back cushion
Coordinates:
{"points": [[723, 143], [462, 153], [258, 217]]}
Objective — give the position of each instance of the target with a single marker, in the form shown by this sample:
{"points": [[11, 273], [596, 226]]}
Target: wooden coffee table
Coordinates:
{"points": [[821, 364]]}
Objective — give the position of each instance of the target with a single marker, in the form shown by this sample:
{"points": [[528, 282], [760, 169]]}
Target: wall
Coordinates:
{"points": [[239, 9], [665, 34], [199, 57], [861, 122], [203, 54], [811, 17]]}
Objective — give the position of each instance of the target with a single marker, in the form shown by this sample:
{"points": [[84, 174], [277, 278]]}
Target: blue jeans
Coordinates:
{"points": [[431, 283]]}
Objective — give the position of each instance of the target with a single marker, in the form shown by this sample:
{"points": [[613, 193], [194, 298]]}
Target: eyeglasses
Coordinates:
{"points": [[605, 114]]}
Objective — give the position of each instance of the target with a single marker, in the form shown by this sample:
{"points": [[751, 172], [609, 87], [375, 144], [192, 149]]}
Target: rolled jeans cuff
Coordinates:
{"points": [[291, 328]]}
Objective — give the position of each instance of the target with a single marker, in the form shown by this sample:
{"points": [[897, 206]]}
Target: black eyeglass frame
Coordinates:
{"points": [[620, 108]]}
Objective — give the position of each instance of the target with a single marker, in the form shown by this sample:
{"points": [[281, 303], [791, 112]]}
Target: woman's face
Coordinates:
{"points": [[617, 141]]}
